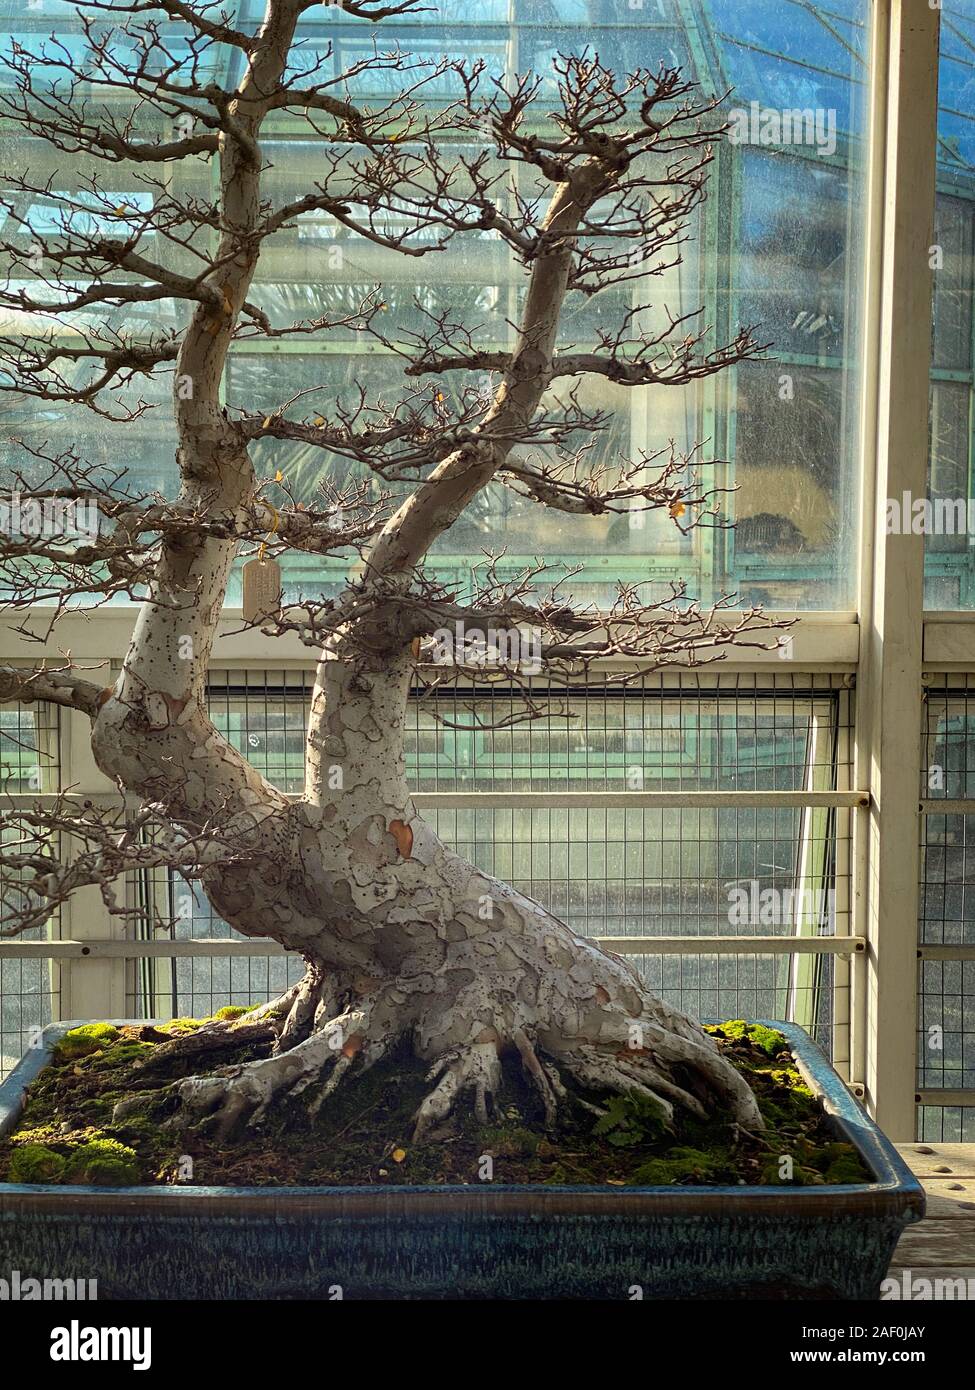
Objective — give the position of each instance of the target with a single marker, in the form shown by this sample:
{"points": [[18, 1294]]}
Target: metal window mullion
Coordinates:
{"points": [[900, 204], [811, 880], [89, 988], [844, 977]]}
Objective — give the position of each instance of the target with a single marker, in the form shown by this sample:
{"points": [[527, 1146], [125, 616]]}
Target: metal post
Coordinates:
{"points": [[895, 439]]}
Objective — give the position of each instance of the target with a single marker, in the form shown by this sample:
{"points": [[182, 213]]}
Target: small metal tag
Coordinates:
{"points": [[262, 589]]}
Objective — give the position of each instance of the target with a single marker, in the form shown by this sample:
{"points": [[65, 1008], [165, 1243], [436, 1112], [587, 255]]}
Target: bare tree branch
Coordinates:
{"points": [[56, 686]]}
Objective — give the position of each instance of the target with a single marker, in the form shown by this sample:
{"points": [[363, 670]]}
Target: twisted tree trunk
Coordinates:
{"points": [[403, 938]]}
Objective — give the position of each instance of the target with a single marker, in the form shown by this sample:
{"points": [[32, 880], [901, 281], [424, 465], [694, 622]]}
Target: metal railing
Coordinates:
{"points": [[786, 957]]}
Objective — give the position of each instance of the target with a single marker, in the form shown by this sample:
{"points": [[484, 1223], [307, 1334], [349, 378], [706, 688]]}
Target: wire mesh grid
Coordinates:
{"points": [[670, 733], [29, 999], [29, 748], [263, 713], [946, 1124], [755, 986], [946, 988], [29, 989], [946, 1045], [695, 872]]}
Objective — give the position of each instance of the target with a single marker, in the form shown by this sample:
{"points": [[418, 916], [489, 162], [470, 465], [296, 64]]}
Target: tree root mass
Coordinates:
{"points": [[529, 1121]]}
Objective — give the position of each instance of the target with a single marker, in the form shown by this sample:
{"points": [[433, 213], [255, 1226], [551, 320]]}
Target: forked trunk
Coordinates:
{"points": [[403, 938]]}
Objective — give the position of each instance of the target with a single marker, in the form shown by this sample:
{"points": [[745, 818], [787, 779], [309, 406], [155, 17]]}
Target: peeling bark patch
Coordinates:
{"points": [[602, 995], [366, 984], [157, 710], [403, 836]]}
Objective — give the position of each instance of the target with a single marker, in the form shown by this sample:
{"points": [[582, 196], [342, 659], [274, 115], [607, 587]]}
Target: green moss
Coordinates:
{"points": [[102, 1163], [39, 1134], [96, 1121], [230, 1011], [845, 1169], [802, 1175], [838, 1163], [768, 1040], [81, 1042], [681, 1165], [35, 1163], [121, 1054], [791, 1078], [509, 1142]]}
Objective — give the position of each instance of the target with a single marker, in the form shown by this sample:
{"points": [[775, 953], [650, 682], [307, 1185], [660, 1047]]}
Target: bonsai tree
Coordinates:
{"points": [[403, 939]]}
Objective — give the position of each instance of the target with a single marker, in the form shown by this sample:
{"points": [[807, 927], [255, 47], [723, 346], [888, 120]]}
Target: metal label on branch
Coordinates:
{"points": [[262, 589]]}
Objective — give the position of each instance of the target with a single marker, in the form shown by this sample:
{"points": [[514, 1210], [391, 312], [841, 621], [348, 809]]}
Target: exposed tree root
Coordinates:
{"points": [[474, 1068], [675, 1064], [545, 1077], [303, 1004], [228, 1098], [216, 1038]]}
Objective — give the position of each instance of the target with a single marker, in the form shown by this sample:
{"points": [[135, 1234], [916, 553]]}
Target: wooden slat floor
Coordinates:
{"points": [[942, 1246]]}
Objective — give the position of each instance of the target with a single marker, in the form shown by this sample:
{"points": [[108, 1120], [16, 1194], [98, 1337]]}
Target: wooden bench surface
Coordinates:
{"points": [[943, 1244]]}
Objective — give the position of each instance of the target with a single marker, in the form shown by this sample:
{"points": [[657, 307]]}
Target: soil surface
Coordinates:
{"points": [[74, 1129]]}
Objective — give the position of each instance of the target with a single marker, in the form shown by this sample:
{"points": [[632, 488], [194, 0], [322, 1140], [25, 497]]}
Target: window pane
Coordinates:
{"points": [[790, 477], [949, 550], [946, 990], [949, 466], [777, 245], [608, 872]]}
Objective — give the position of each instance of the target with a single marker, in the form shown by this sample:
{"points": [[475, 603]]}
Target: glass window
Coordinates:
{"points": [[29, 989], [949, 543], [612, 872], [946, 989], [776, 245], [29, 759]]}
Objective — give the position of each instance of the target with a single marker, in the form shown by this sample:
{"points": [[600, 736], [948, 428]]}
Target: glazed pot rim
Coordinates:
{"points": [[894, 1191]]}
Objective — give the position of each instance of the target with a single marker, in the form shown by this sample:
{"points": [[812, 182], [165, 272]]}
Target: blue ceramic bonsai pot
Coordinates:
{"points": [[491, 1241]]}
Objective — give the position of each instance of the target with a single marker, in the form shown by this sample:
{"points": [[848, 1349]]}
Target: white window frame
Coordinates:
{"points": [[888, 643]]}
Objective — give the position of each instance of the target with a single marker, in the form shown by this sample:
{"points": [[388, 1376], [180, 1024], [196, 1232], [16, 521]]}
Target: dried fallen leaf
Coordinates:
{"points": [[403, 836]]}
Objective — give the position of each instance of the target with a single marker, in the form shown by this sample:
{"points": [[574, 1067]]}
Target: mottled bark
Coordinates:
{"points": [[403, 938]]}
